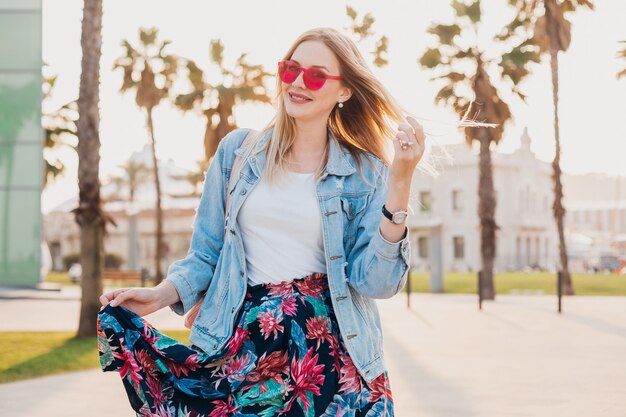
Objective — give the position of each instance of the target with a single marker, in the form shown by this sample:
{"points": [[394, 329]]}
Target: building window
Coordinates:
{"points": [[425, 201], [457, 200], [459, 247], [422, 247]]}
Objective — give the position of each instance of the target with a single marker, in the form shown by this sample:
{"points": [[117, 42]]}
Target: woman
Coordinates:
{"points": [[288, 326]]}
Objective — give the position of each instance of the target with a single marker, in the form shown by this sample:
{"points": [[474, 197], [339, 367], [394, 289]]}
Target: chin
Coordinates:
{"points": [[301, 113], [297, 113]]}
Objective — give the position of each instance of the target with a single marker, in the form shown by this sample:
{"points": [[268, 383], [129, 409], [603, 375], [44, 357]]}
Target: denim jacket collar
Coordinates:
{"points": [[338, 163]]}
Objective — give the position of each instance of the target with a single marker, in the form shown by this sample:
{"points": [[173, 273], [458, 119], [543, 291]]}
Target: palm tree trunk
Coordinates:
{"points": [[89, 214], [159, 213], [557, 207], [486, 213]]}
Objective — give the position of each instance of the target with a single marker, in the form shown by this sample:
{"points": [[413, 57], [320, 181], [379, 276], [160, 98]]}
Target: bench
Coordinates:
{"points": [[118, 275]]}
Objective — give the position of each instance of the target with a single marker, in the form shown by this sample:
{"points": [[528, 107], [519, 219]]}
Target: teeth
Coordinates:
{"points": [[298, 98]]}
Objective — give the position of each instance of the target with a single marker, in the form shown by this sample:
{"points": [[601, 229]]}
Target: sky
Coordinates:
{"points": [[592, 102]]}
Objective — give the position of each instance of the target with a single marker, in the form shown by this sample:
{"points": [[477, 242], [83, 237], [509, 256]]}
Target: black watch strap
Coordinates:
{"points": [[387, 213]]}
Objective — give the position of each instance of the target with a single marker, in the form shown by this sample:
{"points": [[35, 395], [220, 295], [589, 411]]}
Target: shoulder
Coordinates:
{"points": [[233, 139]]}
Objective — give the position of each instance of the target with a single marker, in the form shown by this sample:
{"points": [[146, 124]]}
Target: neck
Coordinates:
{"points": [[310, 140]]}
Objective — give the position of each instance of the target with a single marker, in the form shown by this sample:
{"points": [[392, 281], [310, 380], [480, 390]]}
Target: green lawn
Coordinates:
{"points": [[63, 278], [26, 355], [512, 282]]}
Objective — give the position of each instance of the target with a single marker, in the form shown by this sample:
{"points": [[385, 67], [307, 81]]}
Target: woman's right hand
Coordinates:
{"points": [[142, 301]]}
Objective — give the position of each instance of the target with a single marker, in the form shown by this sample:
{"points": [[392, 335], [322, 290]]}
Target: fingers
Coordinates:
{"points": [[106, 298], [407, 130], [418, 130], [124, 296], [403, 137]]}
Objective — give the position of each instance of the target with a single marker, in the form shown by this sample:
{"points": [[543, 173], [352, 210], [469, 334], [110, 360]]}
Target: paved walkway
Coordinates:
{"points": [[516, 358]]}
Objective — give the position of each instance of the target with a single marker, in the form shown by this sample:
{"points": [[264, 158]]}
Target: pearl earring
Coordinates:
{"points": [[340, 105]]}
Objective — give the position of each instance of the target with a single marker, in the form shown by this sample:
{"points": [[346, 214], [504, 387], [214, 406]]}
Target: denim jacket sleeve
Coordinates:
{"points": [[378, 268], [192, 274]]}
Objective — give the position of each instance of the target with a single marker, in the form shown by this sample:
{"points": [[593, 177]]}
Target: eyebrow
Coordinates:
{"points": [[316, 66]]}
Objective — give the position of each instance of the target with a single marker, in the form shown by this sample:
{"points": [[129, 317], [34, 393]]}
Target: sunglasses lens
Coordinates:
{"points": [[314, 78], [288, 71]]}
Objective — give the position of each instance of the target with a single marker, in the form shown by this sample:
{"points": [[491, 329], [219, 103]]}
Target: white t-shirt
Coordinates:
{"points": [[281, 228]]}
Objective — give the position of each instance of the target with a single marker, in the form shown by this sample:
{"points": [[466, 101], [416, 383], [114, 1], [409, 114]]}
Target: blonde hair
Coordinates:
{"points": [[362, 126]]}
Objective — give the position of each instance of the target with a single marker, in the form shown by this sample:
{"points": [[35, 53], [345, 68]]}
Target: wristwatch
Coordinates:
{"points": [[397, 217]]}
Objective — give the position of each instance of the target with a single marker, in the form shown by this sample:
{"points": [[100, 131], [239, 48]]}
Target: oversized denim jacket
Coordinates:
{"points": [[361, 264]]}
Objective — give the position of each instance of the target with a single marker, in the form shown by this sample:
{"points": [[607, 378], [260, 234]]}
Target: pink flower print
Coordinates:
{"points": [[190, 364], [130, 366], [318, 328], [281, 288], [149, 334], [269, 321], [288, 304], [349, 381], [235, 342], [235, 368], [312, 286], [155, 389], [223, 409], [147, 363], [379, 387], [270, 367], [308, 377]]}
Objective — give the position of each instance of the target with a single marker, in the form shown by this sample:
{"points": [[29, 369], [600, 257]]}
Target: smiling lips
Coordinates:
{"points": [[298, 98]]}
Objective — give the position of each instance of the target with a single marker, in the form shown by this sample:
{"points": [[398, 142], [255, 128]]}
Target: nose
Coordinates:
{"points": [[299, 81]]}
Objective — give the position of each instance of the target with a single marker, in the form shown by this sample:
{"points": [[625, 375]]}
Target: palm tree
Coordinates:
{"points": [[58, 125], [194, 177], [150, 71], [135, 174], [543, 25], [363, 30], [622, 54], [244, 83], [89, 214], [466, 69]]}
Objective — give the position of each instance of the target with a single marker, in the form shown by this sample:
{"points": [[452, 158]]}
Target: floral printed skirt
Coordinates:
{"points": [[285, 358]]}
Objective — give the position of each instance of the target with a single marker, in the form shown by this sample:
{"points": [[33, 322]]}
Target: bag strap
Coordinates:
{"points": [[236, 164]]}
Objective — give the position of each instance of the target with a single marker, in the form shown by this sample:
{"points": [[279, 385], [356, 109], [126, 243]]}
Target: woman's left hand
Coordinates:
{"points": [[406, 158]]}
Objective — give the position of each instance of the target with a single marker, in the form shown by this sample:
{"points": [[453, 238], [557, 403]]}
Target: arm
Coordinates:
{"points": [[193, 274], [379, 267]]}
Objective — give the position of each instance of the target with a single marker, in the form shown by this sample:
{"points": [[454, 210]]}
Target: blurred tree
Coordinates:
{"points": [[543, 29], [134, 174], [89, 214], [244, 83], [465, 68], [363, 30], [58, 126], [150, 71], [622, 54]]}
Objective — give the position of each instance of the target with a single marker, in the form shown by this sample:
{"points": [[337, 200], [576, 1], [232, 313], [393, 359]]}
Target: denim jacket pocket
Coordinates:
{"points": [[352, 207]]}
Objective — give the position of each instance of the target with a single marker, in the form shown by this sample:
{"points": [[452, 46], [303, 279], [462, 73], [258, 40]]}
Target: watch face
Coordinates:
{"points": [[399, 218]]}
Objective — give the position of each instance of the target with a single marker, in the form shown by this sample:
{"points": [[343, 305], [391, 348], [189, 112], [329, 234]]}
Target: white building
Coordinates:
{"points": [[446, 212], [134, 237]]}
